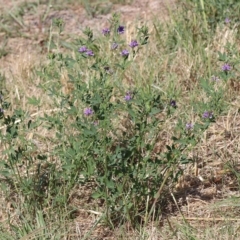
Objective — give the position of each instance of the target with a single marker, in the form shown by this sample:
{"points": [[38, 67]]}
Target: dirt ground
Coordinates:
{"points": [[26, 43], [77, 18]]}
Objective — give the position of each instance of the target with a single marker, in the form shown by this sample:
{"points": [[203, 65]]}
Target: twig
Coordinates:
{"points": [[208, 219]]}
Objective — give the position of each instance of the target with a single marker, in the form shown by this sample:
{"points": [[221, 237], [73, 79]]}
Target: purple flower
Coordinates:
{"points": [[95, 123], [128, 96], [89, 52], [105, 31], [1, 110], [226, 67], [207, 114], [227, 20], [125, 53], [173, 103], [120, 30], [82, 49], [88, 111], [189, 126], [114, 46], [85, 50], [107, 68], [133, 44], [215, 78]]}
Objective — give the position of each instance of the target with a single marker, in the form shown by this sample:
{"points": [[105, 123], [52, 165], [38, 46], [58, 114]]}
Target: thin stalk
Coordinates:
{"points": [[106, 172], [168, 172], [204, 15]]}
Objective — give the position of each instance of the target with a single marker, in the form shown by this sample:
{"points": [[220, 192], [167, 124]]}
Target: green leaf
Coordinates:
{"points": [[67, 45], [5, 173], [222, 56], [34, 101], [96, 195], [155, 111], [110, 184]]}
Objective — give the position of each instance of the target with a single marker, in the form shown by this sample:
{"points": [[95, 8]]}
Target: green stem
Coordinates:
{"points": [[204, 15]]}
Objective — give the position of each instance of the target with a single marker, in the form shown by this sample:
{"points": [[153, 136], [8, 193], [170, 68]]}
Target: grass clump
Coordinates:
{"points": [[126, 116]]}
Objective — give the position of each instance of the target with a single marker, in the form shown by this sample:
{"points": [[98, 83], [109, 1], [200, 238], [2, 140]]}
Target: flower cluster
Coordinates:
{"points": [[173, 103], [82, 49], [125, 53], [226, 67], [208, 115], [227, 20], [88, 112], [189, 126], [121, 30], [114, 46], [85, 50], [106, 31], [215, 78], [133, 44], [108, 70], [128, 96]]}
